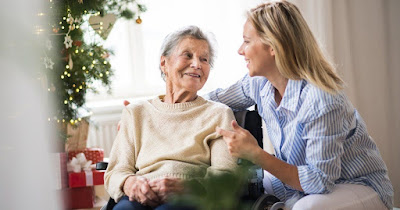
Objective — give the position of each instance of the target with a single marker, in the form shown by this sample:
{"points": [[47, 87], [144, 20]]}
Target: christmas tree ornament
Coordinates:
{"points": [[48, 63], [72, 27], [105, 55], [70, 20], [77, 43], [70, 63], [102, 25], [78, 20], [138, 20], [67, 41]]}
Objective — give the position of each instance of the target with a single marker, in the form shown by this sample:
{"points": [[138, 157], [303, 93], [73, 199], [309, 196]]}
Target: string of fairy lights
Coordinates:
{"points": [[72, 64]]}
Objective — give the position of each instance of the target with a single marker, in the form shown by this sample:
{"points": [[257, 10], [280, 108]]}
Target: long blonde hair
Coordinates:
{"points": [[297, 53]]}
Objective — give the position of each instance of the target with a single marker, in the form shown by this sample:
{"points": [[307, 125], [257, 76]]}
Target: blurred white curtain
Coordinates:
{"points": [[27, 178], [362, 37]]}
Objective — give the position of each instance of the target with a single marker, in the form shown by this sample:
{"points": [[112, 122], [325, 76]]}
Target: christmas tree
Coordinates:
{"points": [[72, 64]]}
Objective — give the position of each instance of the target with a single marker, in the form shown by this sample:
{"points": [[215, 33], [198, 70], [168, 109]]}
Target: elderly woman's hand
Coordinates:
{"points": [[166, 186], [241, 143], [138, 189]]}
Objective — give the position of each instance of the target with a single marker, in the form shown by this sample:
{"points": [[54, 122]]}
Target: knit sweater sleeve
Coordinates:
{"points": [[122, 158], [221, 160]]}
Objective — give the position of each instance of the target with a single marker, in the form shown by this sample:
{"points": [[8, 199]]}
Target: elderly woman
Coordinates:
{"points": [[172, 137]]}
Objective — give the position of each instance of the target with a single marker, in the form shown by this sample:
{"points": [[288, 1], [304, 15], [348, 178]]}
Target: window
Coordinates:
{"points": [[136, 47]]}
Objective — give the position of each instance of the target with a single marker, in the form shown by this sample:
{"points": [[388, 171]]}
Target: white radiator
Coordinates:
{"points": [[103, 127]]}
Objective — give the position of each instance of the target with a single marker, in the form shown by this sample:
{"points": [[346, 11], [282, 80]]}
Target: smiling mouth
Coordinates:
{"points": [[192, 75]]}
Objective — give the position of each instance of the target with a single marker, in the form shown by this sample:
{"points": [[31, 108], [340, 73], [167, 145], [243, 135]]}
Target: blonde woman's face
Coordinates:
{"points": [[260, 58], [188, 67]]}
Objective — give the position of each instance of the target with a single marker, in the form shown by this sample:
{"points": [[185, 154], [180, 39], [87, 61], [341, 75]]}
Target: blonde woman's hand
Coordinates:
{"points": [[241, 143], [164, 187], [138, 189], [126, 103]]}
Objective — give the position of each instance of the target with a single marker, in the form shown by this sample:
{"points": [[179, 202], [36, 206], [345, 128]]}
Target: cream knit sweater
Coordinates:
{"points": [[158, 139]]}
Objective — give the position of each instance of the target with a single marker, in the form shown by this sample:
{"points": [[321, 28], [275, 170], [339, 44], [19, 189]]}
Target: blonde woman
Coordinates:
{"points": [[321, 143]]}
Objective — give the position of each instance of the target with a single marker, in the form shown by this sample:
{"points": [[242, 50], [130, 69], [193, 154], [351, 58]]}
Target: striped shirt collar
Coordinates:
{"points": [[291, 96]]}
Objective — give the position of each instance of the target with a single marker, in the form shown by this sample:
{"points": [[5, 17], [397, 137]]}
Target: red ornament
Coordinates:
{"points": [[77, 43]]}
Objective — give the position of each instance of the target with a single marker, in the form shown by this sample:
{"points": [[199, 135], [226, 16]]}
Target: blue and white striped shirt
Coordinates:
{"points": [[322, 134]]}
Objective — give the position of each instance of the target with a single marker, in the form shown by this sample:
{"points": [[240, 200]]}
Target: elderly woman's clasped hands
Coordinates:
{"points": [[151, 193]]}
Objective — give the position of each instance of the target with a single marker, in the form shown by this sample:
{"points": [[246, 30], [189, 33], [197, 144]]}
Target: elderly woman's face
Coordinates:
{"points": [[188, 67]]}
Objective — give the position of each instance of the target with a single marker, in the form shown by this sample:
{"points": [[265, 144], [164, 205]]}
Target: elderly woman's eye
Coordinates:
{"points": [[188, 55], [205, 59]]}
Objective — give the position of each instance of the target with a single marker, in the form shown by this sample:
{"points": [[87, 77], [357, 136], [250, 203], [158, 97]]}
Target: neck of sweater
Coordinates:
{"points": [[159, 104]]}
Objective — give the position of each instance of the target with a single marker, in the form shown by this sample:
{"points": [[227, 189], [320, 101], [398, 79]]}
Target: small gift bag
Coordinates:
{"points": [[77, 136]]}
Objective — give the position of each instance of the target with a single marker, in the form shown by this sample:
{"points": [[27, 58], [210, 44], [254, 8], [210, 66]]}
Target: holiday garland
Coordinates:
{"points": [[72, 65]]}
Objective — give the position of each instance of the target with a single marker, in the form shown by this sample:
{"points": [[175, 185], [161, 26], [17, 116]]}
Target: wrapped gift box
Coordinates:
{"points": [[93, 154], [86, 178], [78, 198], [61, 174]]}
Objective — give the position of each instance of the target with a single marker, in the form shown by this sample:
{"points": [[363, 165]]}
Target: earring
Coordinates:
{"points": [[165, 71]]}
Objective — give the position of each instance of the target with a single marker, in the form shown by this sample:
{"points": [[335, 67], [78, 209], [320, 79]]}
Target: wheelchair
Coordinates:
{"points": [[251, 121], [254, 193]]}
